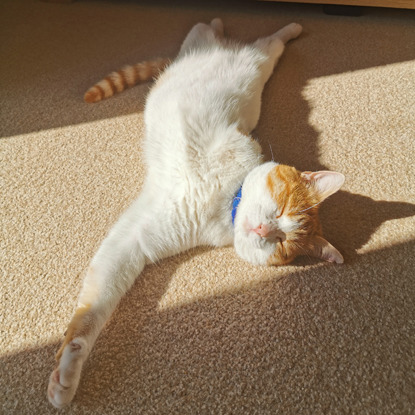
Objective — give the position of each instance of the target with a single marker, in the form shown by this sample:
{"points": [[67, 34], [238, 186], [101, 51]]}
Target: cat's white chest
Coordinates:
{"points": [[196, 154]]}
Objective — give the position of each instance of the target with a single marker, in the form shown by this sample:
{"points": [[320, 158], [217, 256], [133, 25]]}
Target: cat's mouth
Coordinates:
{"points": [[278, 236]]}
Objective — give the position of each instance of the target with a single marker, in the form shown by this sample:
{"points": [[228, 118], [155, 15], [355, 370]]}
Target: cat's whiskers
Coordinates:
{"points": [[308, 208], [272, 154], [305, 252]]}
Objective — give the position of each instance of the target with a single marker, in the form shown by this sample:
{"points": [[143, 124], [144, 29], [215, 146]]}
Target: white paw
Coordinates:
{"points": [[295, 30], [289, 32], [64, 380], [58, 394]]}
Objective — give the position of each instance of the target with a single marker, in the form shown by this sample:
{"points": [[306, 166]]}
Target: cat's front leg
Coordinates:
{"points": [[119, 260]]}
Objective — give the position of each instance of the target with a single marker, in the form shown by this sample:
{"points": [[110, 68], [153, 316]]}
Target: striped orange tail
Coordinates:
{"points": [[125, 78]]}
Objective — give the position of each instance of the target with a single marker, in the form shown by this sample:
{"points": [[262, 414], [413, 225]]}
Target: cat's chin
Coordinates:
{"points": [[253, 249]]}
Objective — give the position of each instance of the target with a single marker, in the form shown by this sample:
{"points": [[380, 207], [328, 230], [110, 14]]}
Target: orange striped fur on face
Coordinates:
{"points": [[295, 197]]}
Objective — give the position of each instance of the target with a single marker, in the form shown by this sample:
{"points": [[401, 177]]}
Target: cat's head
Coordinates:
{"points": [[277, 217]]}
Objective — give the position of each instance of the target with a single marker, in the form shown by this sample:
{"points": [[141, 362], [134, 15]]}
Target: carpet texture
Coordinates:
{"points": [[205, 332]]}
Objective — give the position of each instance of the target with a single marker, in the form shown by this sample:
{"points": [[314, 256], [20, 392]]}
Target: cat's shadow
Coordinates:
{"points": [[350, 220]]}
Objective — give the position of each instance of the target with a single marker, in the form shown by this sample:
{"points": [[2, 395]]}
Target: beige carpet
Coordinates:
{"points": [[204, 332]]}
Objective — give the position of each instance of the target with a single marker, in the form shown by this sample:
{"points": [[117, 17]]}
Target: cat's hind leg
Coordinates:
{"points": [[203, 35], [289, 32], [217, 26], [273, 46]]}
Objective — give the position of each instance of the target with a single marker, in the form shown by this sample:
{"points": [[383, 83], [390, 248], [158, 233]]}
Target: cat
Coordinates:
{"points": [[206, 182]]}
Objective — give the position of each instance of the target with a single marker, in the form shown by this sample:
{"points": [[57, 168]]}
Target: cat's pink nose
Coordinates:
{"points": [[262, 230]]}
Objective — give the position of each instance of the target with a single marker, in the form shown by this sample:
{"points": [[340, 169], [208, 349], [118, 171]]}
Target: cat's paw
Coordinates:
{"points": [[64, 380], [295, 30], [59, 395], [289, 32]]}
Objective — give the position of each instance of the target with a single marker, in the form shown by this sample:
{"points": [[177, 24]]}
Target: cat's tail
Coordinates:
{"points": [[128, 76]]}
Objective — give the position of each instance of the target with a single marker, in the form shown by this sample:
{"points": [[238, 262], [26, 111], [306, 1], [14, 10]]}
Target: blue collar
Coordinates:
{"points": [[235, 203]]}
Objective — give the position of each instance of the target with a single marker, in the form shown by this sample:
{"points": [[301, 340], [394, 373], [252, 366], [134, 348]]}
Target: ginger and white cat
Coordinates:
{"points": [[199, 153]]}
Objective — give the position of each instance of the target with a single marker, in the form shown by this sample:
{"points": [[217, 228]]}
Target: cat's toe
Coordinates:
{"points": [[59, 396]]}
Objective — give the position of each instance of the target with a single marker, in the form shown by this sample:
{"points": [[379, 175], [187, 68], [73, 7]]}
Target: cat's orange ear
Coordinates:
{"points": [[320, 248], [324, 182]]}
